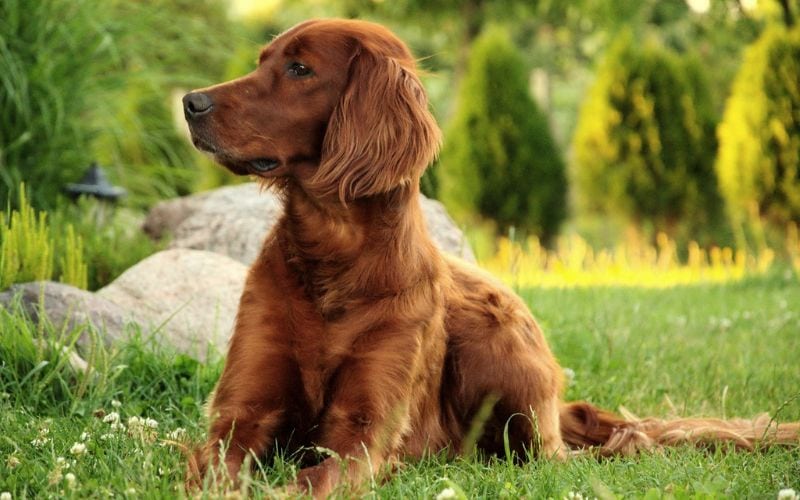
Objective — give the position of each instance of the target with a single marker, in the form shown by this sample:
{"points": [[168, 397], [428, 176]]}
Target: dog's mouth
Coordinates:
{"points": [[257, 166]]}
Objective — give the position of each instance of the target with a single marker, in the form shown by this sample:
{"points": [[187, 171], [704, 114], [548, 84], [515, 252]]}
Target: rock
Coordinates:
{"points": [[234, 220], [186, 298], [166, 216], [70, 309], [447, 236]]}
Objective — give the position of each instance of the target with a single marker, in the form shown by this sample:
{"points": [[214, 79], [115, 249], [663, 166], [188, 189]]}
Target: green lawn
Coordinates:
{"points": [[706, 350]]}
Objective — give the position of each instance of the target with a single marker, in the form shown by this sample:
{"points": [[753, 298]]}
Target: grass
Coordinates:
{"points": [[716, 349]]}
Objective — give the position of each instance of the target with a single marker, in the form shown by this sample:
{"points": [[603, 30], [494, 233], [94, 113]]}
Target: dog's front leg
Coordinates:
{"points": [[253, 397], [368, 413]]}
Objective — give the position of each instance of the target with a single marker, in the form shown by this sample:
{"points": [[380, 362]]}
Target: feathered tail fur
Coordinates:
{"points": [[584, 426]]}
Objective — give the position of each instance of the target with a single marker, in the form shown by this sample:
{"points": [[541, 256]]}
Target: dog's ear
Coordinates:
{"points": [[380, 134]]}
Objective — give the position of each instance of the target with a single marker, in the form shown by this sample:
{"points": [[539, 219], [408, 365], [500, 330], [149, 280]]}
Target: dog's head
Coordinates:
{"points": [[334, 104]]}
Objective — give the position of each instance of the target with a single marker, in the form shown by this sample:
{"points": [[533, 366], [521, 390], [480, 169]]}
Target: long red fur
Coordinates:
{"points": [[354, 333]]}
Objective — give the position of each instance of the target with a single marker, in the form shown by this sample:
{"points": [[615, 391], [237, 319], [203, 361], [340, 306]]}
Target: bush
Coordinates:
{"points": [[161, 49], [84, 80], [759, 137], [644, 142], [112, 238], [48, 54], [28, 246], [499, 159]]}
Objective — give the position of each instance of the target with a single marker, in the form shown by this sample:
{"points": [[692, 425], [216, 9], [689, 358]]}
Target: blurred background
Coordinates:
{"points": [[591, 131]]}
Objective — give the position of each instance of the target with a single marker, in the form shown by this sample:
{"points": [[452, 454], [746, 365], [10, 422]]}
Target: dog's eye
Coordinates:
{"points": [[298, 70]]}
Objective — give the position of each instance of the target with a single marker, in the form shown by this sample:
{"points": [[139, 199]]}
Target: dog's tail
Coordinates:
{"points": [[584, 426]]}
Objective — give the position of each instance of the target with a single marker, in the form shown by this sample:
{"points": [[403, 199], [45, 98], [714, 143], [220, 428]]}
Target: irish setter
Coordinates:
{"points": [[354, 333]]}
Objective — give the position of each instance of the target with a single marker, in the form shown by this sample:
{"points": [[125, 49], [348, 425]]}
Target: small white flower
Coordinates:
{"points": [[569, 376], [5, 496], [70, 479], [149, 422], [111, 418], [106, 437], [177, 434], [787, 494], [40, 441], [117, 426], [574, 496], [84, 436], [115, 403], [78, 449], [12, 462], [134, 421], [446, 493]]}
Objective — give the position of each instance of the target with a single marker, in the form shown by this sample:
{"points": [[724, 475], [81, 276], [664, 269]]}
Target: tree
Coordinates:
{"points": [[499, 159], [644, 142], [759, 152]]}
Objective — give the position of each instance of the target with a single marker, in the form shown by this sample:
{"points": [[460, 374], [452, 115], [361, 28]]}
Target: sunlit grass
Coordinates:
{"points": [[573, 262], [713, 350]]}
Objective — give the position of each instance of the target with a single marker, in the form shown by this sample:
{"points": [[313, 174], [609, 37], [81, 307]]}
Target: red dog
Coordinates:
{"points": [[354, 333]]}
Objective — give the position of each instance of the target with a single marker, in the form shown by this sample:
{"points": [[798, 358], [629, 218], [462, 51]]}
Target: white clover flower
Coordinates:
{"points": [[111, 418], [12, 462], [574, 496], [177, 434], [788, 494], [135, 421], [117, 426], [5, 496], [446, 493], [152, 423], [115, 403], [85, 436], [78, 449], [569, 376], [70, 479], [40, 441], [106, 437]]}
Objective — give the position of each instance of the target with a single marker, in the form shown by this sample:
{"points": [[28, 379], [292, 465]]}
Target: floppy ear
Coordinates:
{"points": [[381, 133]]}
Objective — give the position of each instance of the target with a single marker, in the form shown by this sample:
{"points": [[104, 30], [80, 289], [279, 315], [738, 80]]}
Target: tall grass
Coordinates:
{"points": [[48, 61], [29, 246], [724, 350], [111, 236], [84, 80]]}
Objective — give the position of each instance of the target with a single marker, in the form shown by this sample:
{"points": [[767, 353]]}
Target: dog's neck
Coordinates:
{"points": [[349, 247]]}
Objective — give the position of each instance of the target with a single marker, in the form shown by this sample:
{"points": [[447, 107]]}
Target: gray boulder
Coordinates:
{"points": [[234, 220], [70, 310], [186, 298]]}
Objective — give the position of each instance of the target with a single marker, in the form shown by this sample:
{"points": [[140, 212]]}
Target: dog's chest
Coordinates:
{"points": [[319, 356]]}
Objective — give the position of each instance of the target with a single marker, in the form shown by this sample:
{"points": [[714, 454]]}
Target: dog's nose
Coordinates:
{"points": [[197, 104]]}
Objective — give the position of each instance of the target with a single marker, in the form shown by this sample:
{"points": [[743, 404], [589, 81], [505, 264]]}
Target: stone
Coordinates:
{"points": [[70, 309], [186, 298], [234, 220]]}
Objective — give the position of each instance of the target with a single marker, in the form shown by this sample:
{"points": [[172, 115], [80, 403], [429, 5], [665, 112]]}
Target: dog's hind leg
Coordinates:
{"points": [[497, 352]]}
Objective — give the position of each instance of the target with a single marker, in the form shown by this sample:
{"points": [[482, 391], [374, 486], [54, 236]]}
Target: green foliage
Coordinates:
{"points": [[653, 351], [499, 159], [48, 55], [28, 245], [84, 80], [644, 143], [161, 49], [758, 163], [112, 237]]}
